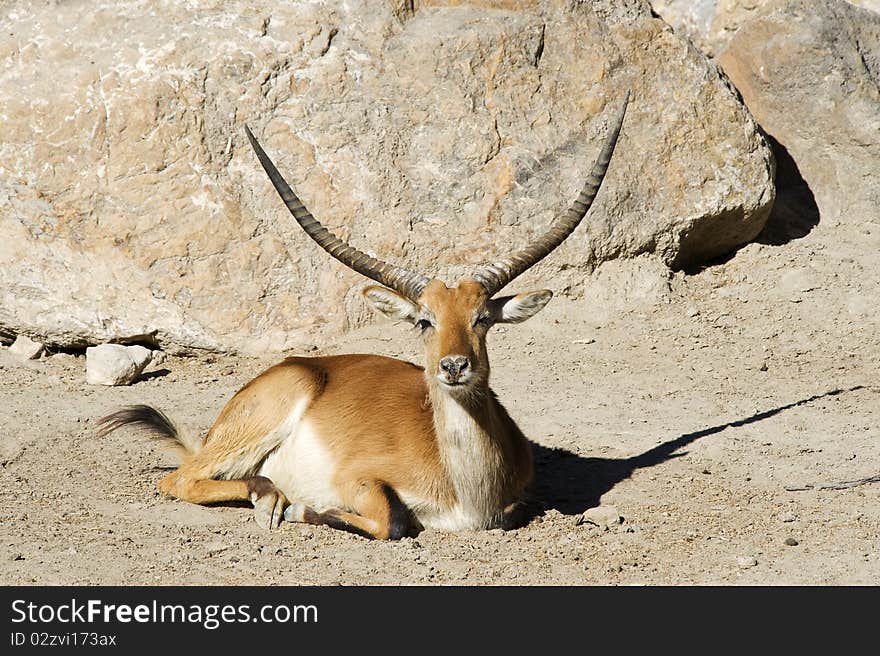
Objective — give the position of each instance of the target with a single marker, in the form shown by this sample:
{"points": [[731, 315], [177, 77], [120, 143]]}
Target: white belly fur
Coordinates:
{"points": [[456, 518], [303, 469]]}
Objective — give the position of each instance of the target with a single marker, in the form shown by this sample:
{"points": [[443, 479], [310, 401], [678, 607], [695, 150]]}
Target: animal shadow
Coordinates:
{"points": [[571, 484]]}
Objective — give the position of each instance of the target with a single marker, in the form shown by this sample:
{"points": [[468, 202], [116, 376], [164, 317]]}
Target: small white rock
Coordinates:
{"points": [[26, 348], [159, 358], [746, 561], [216, 547], [115, 364], [601, 516]]}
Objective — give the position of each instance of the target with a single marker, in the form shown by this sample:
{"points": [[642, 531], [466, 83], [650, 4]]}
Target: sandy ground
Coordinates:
{"points": [[719, 418]]}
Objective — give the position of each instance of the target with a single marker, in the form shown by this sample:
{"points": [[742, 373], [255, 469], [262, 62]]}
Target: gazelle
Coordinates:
{"points": [[369, 444]]}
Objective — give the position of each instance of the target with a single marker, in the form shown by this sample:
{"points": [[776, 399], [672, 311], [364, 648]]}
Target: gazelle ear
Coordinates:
{"points": [[514, 309], [391, 304]]}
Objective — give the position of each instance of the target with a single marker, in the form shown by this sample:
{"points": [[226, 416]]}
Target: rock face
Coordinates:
{"points": [[809, 71], [693, 18], [711, 24], [437, 137], [115, 364]]}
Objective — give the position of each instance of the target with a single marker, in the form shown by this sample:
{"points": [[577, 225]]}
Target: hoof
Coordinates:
{"points": [[296, 512], [269, 510]]}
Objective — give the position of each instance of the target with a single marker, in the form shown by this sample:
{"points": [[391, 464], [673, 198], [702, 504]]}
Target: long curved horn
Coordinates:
{"points": [[408, 283], [495, 276]]}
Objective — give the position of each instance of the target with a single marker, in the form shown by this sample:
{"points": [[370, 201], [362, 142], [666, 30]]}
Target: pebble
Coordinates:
{"points": [[600, 516], [159, 358], [787, 517], [791, 542], [216, 547], [746, 561]]}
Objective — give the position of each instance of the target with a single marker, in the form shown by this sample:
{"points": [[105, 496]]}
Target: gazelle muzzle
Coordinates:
{"points": [[454, 370]]}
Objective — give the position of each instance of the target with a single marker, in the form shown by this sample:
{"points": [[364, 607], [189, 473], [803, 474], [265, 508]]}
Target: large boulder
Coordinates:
{"points": [[809, 71], [436, 137]]}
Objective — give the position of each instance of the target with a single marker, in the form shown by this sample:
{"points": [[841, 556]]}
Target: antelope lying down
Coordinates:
{"points": [[369, 444]]}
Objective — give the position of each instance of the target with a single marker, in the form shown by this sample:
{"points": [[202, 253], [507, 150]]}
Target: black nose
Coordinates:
{"points": [[453, 365]]}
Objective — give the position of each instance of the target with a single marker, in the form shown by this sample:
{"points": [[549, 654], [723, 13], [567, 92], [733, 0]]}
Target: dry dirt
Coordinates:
{"points": [[718, 418]]}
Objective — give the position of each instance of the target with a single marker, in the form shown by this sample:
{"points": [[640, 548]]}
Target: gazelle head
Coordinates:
{"points": [[453, 321]]}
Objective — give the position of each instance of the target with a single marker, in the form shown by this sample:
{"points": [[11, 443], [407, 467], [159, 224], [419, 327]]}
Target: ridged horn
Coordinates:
{"points": [[408, 283], [495, 276]]}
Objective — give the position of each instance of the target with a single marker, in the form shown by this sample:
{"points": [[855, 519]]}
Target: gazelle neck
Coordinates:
{"points": [[471, 438], [467, 416]]}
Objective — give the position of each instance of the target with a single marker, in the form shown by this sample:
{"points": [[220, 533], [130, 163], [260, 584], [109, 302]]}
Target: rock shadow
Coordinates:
{"points": [[572, 484], [793, 215], [795, 212], [156, 373]]}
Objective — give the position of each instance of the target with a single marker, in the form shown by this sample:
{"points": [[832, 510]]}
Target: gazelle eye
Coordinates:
{"points": [[423, 324]]}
